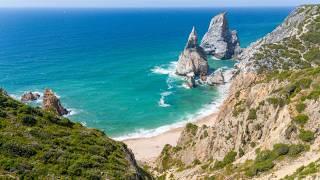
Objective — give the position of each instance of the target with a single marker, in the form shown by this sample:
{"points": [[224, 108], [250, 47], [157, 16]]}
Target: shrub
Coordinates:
{"points": [[295, 149], [27, 120], [306, 136], [3, 114], [252, 114], [16, 149], [228, 159], [280, 149], [301, 119], [191, 128], [276, 102], [300, 107]]}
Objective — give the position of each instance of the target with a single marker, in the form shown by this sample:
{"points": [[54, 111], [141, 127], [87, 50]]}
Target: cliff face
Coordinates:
{"points": [[38, 144], [270, 120], [219, 41]]}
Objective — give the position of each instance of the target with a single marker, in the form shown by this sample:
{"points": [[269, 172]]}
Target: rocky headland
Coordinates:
{"points": [[220, 41], [268, 126]]}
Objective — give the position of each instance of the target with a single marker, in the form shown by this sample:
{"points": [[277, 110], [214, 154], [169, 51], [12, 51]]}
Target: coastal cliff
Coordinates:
{"points": [[39, 144], [268, 125]]}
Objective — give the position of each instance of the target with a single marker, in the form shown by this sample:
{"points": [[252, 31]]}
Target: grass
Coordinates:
{"points": [[252, 114], [305, 171], [35, 144], [300, 107]]}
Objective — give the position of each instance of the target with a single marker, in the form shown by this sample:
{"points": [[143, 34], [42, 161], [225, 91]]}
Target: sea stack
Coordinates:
{"points": [[219, 41], [52, 103], [193, 59], [30, 96]]}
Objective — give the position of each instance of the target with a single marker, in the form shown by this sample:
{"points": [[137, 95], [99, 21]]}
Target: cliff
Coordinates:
{"points": [[38, 144], [268, 126]]}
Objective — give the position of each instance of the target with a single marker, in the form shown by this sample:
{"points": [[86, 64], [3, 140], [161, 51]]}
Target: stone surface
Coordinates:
{"points": [[216, 78], [219, 41], [30, 96], [193, 59], [52, 103]]}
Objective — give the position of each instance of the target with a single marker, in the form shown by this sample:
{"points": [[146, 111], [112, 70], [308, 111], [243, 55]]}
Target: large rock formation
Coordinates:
{"points": [[193, 59], [30, 96], [52, 103], [219, 41]]}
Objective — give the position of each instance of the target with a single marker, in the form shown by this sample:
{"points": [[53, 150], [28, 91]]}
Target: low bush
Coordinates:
{"points": [[228, 159], [300, 107], [306, 135], [252, 114], [192, 128], [27, 120], [301, 119]]}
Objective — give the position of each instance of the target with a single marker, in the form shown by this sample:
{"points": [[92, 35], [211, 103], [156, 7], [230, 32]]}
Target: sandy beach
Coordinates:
{"points": [[148, 149]]}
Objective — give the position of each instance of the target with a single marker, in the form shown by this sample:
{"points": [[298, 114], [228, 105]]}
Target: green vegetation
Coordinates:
{"points": [[300, 107], [228, 159], [265, 159], [192, 128], [305, 171], [306, 135], [252, 114], [167, 161], [35, 144], [238, 108], [301, 119]]}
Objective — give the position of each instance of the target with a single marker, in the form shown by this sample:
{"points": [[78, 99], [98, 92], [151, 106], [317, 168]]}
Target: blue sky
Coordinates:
{"points": [[151, 3]]}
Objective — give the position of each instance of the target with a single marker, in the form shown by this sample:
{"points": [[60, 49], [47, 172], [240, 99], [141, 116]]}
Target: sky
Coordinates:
{"points": [[151, 3]]}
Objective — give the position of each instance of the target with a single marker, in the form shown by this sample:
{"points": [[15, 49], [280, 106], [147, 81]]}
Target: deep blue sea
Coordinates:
{"points": [[114, 67]]}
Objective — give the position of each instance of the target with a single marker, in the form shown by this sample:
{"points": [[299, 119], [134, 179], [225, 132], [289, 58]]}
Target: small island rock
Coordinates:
{"points": [[216, 78], [30, 96], [52, 103]]}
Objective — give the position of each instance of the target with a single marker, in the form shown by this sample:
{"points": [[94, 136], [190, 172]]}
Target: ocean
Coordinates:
{"points": [[114, 68]]}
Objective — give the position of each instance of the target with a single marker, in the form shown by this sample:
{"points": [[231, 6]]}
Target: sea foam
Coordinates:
{"points": [[206, 110]]}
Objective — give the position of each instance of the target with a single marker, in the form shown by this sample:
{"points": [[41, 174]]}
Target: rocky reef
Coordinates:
{"points": [[52, 103], [193, 59], [30, 96], [219, 41]]}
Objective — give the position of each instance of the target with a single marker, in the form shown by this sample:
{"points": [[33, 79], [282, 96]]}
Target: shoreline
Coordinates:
{"points": [[147, 149]]}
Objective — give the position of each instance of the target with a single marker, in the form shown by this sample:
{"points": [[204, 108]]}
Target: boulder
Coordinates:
{"points": [[219, 41], [29, 96], [216, 78], [52, 103], [191, 83], [193, 59]]}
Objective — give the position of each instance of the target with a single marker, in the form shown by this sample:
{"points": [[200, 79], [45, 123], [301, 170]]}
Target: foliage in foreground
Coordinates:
{"points": [[37, 144]]}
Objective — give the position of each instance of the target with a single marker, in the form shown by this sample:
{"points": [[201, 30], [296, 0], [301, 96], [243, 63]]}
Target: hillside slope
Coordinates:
{"points": [[38, 144], [271, 118]]}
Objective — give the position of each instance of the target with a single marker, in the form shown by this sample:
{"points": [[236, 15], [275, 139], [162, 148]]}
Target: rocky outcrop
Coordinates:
{"points": [[52, 103], [219, 41], [191, 83], [193, 59], [262, 109], [216, 78], [30, 96]]}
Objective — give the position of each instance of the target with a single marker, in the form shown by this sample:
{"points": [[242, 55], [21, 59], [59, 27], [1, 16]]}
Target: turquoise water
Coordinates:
{"points": [[113, 67]]}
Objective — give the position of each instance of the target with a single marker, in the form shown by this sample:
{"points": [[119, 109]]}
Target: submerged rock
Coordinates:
{"points": [[219, 41], [193, 59], [216, 78], [52, 103], [29, 96]]}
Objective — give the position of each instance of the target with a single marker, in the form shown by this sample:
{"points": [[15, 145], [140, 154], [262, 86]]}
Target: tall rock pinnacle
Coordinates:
{"points": [[219, 41], [193, 59]]}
